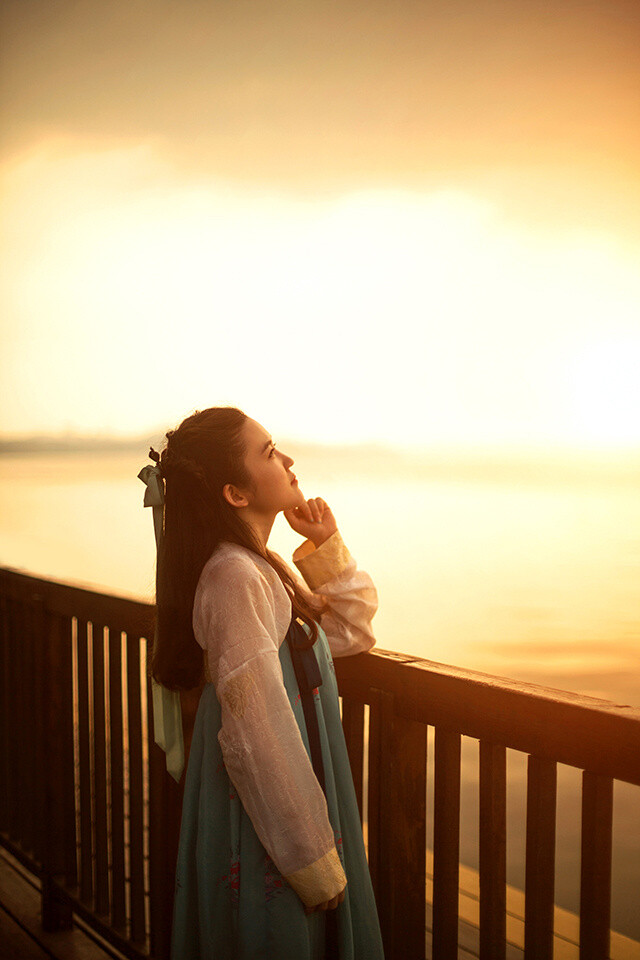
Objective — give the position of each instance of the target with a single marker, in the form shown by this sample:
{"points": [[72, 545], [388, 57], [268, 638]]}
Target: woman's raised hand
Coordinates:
{"points": [[314, 520]]}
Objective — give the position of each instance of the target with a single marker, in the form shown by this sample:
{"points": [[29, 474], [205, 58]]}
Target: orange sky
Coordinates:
{"points": [[310, 94], [123, 119]]}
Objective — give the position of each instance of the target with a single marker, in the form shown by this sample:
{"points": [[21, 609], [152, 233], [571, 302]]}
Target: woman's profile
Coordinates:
{"points": [[271, 860]]}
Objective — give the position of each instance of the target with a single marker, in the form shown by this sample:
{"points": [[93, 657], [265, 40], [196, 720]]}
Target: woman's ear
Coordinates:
{"points": [[233, 496]]}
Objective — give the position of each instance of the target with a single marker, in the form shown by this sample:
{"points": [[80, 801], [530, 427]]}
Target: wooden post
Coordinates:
{"points": [[446, 844], [56, 906], [5, 708], [40, 682], [493, 851], [380, 811], [540, 865], [84, 741], [353, 726], [595, 872], [100, 773], [116, 764], [136, 817], [407, 831]]}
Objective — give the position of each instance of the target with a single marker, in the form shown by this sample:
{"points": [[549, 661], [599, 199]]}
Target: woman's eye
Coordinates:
{"points": [[273, 450]]}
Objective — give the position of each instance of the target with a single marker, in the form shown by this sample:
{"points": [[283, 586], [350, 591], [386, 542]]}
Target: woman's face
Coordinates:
{"points": [[276, 487]]}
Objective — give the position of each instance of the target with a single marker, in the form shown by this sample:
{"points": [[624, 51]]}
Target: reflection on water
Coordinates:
{"points": [[523, 576]]}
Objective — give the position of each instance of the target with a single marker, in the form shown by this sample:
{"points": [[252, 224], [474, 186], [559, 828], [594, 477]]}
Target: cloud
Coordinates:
{"points": [[325, 96], [133, 294]]}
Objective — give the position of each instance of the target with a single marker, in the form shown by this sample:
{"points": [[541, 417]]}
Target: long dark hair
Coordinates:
{"points": [[203, 454]]}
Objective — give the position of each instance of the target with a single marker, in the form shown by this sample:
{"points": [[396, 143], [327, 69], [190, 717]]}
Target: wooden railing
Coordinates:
{"points": [[87, 805]]}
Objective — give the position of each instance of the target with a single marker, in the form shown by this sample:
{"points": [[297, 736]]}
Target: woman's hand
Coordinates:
{"points": [[327, 905], [314, 520]]}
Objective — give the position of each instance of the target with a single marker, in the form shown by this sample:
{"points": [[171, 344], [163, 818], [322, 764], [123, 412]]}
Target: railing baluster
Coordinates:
{"points": [[40, 682], [380, 812], [13, 646], [100, 773], [136, 851], [353, 726], [84, 745], [408, 835], [118, 908], [21, 716], [5, 710], [493, 851], [540, 859], [446, 843], [595, 872], [58, 800], [22, 703], [67, 758], [161, 893], [30, 649]]}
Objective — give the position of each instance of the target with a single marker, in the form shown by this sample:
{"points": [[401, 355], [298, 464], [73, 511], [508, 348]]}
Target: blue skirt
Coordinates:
{"points": [[231, 902]]}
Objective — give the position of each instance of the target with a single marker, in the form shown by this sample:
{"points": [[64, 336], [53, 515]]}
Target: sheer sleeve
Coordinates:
{"points": [[263, 751], [332, 575]]}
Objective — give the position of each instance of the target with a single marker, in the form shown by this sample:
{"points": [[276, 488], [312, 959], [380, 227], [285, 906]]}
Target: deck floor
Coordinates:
{"points": [[21, 933], [22, 936]]}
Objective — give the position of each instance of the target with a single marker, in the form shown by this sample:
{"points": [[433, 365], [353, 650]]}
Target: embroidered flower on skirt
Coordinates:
{"points": [[234, 883], [274, 882]]}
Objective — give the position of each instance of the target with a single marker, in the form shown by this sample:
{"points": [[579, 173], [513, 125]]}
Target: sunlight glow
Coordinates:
{"points": [[410, 318], [604, 386]]}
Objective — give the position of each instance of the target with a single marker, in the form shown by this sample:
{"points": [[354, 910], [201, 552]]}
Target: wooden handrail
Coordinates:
{"points": [[59, 641], [66, 600], [571, 728], [535, 719]]}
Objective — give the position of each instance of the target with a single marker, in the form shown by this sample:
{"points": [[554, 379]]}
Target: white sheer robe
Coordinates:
{"points": [[241, 616]]}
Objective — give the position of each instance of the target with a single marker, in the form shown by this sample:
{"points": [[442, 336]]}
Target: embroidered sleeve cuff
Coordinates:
{"points": [[320, 881], [320, 564]]}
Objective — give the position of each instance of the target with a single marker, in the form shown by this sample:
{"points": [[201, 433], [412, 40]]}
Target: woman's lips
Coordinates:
{"points": [[295, 480]]}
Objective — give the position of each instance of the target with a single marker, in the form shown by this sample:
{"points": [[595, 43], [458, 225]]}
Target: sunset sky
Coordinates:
{"points": [[415, 222]]}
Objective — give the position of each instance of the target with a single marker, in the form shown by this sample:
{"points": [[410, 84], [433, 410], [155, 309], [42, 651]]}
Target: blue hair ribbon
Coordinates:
{"points": [[167, 709]]}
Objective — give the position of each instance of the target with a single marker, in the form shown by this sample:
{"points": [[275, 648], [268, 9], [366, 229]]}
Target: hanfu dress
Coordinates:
{"points": [[259, 839]]}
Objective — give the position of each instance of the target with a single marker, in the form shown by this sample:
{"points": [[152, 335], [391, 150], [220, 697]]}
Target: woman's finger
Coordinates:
{"points": [[327, 905], [305, 513]]}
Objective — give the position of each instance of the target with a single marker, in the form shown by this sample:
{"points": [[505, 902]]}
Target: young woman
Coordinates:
{"points": [[271, 861]]}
